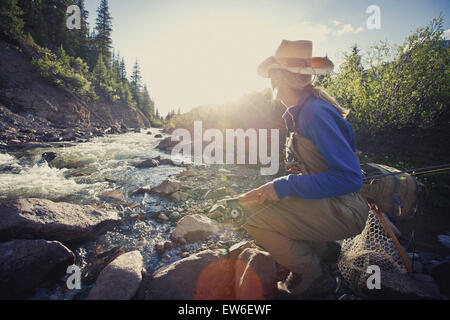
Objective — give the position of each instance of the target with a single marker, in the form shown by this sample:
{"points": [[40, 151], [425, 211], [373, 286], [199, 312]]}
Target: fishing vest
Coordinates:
{"points": [[396, 195]]}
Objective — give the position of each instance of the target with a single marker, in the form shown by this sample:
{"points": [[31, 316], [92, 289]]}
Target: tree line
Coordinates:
{"points": [[81, 59]]}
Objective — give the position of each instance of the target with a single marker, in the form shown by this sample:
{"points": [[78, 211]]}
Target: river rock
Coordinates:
{"points": [[142, 190], [162, 217], [167, 144], [255, 275], [166, 161], [218, 193], [49, 156], [167, 187], [159, 247], [174, 216], [194, 228], [186, 173], [179, 196], [112, 195], [120, 279], [217, 211], [149, 163], [168, 245], [25, 264], [204, 275], [158, 135], [41, 218]]}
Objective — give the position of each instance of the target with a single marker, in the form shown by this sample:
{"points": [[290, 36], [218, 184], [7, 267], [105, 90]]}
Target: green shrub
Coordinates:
{"points": [[396, 87]]}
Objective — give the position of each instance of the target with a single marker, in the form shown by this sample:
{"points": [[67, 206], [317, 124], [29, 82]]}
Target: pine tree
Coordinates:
{"points": [[147, 104], [103, 30], [115, 67], [82, 35], [35, 23], [10, 18], [136, 83], [100, 71], [123, 71]]}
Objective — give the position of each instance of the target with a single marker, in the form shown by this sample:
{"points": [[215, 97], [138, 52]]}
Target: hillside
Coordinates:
{"points": [[23, 91]]}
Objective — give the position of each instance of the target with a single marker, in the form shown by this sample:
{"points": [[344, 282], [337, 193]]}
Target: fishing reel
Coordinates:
{"points": [[234, 214]]}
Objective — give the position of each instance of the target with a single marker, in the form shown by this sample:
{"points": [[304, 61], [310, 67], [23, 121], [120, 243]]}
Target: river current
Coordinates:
{"points": [[84, 171]]}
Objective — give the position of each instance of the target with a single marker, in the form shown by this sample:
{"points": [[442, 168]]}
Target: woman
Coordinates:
{"points": [[294, 214]]}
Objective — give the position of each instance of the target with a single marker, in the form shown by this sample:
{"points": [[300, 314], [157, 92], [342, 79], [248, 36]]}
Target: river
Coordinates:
{"points": [[84, 171]]}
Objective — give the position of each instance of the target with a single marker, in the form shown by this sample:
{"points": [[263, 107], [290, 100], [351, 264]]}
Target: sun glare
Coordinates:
{"points": [[208, 60]]}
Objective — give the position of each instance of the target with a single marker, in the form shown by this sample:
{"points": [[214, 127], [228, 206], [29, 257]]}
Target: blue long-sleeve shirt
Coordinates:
{"points": [[321, 123]]}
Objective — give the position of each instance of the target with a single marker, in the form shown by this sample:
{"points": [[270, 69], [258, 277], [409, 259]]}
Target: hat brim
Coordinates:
{"points": [[319, 66]]}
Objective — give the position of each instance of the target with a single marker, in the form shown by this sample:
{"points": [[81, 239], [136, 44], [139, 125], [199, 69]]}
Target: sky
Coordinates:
{"points": [[197, 52]]}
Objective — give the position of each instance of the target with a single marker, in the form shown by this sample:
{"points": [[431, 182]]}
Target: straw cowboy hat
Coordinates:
{"points": [[296, 57]]}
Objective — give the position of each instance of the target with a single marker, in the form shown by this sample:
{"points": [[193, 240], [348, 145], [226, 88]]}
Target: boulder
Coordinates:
{"points": [[120, 279], [255, 275], [158, 135], [25, 264], [205, 275], [194, 228], [41, 218], [167, 187]]}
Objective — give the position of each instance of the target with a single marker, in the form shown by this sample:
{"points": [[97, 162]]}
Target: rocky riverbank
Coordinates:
{"points": [[23, 131], [192, 256]]}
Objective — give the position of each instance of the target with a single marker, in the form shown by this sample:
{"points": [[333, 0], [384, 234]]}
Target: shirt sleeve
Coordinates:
{"points": [[344, 173]]}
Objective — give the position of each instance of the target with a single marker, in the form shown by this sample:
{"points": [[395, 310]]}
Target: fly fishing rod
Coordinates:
{"points": [[415, 172]]}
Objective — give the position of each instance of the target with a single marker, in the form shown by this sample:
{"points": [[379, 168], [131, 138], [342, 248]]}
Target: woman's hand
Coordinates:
{"points": [[264, 193]]}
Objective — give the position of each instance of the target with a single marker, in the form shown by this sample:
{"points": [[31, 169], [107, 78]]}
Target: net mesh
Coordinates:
{"points": [[373, 246]]}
